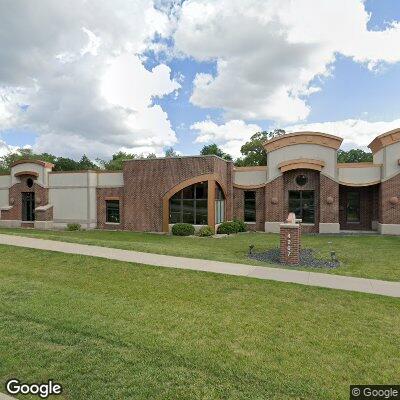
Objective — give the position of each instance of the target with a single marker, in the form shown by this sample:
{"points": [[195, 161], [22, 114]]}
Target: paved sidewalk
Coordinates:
{"points": [[275, 274], [6, 397]]}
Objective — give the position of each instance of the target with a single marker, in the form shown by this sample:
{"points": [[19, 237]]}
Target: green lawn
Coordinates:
{"points": [[365, 256], [113, 330]]}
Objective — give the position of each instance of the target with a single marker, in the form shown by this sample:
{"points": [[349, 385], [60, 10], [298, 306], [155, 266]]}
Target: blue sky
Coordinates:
{"points": [[360, 92]]}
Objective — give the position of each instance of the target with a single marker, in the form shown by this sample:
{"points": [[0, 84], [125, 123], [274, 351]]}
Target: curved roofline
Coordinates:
{"points": [[38, 162], [301, 163], [385, 139], [306, 137]]}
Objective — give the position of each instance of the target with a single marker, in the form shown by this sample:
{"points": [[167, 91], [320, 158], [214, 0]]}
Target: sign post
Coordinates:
{"points": [[290, 236]]}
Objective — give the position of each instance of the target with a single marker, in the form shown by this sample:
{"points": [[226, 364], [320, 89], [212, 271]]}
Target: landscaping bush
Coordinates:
{"points": [[227, 228], [234, 226], [240, 225], [73, 227], [183, 229], [205, 231]]}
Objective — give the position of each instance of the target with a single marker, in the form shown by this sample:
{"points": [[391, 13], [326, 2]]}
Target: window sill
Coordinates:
{"points": [[250, 222], [113, 223]]}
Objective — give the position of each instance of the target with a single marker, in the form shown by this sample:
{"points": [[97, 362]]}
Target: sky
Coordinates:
{"points": [[96, 77]]}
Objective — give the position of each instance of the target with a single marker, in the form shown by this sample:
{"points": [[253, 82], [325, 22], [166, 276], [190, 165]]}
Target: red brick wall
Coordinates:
{"points": [[147, 181], [15, 198], [102, 194], [238, 207], [290, 245], [366, 207], [44, 215], [389, 213], [329, 190], [274, 201]]}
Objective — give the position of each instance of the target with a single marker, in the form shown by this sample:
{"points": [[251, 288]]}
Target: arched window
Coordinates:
{"points": [[219, 204], [189, 205]]}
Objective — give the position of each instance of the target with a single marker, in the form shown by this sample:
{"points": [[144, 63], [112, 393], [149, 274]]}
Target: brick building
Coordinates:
{"points": [[302, 176]]}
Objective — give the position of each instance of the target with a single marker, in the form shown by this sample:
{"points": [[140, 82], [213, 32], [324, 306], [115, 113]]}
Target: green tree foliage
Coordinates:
{"points": [[213, 149], [117, 160], [354, 156], [170, 152], [85, 163], [60, 163], [253, 151]]}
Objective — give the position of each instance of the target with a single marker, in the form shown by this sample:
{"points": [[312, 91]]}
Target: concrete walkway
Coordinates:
{"points": [[275, 274], [6, 397]]}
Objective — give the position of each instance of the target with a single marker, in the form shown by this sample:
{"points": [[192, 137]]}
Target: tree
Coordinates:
{"points": [[253, 150], [354, 156], [66, 164], [213, 149], [117, 160], [170, 152], [85, 163]]}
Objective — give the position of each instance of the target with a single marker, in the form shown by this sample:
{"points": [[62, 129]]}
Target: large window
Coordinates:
{"points": [[219, 205], [112, 211], [353, 207], [250, 206], [189, 205], [302, 203]]}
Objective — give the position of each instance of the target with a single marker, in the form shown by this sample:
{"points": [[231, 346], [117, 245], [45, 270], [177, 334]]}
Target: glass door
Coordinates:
{"points": [[28, 206]]}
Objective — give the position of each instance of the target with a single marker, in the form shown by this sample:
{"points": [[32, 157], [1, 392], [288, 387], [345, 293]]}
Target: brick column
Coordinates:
{"points": [[211, 203], [290, 235]]}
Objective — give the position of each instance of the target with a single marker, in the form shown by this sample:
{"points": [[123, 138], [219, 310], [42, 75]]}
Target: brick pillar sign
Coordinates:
{"points": [[290, 236]]}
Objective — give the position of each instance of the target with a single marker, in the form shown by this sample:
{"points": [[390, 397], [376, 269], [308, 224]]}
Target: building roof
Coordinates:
{"points": [[319, 138], [38, 162], [384, 140]]}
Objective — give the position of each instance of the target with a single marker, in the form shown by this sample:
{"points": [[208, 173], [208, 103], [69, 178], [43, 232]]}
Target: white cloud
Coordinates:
{"points": [[5, 148], [230, 136], [268, 52], [78, 69], [357, 133]]}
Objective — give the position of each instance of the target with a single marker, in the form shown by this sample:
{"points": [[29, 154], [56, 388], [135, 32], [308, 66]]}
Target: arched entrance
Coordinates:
{"points": [[198, 201]]}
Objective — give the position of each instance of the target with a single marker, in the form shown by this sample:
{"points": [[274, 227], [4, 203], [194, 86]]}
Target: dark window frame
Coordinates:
{"points": [[28, 206], [250, 209], [357, 208], [113, 212], [195, 215], [300, 207]]}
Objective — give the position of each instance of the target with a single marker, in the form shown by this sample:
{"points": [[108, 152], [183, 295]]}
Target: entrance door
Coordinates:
{"points": [[28, 206]]}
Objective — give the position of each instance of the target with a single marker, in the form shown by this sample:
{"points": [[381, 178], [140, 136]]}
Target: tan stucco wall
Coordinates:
{"points": [[307, 151], [42, 171], [5, 181], [110, 179], [73, 196], [248, 178], [359, 176], [3, 197], [68, 179], [391, 160]]}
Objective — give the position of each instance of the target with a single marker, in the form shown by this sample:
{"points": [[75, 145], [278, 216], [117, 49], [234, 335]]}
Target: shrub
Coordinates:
{"points": [[73, 227], [183, 229], [205, 231], [227, 228], [240, 225], [234, 226]]}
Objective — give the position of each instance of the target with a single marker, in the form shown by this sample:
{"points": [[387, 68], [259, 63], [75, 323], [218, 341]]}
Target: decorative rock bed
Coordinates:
{"points": [[308, 258]]}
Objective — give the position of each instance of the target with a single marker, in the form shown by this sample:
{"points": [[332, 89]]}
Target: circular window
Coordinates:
{"points": [[29, 182], [301, 180]]}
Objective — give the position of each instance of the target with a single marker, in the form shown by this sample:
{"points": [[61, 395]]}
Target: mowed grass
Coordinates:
{"points": [[113, 330], [366, 256]]}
